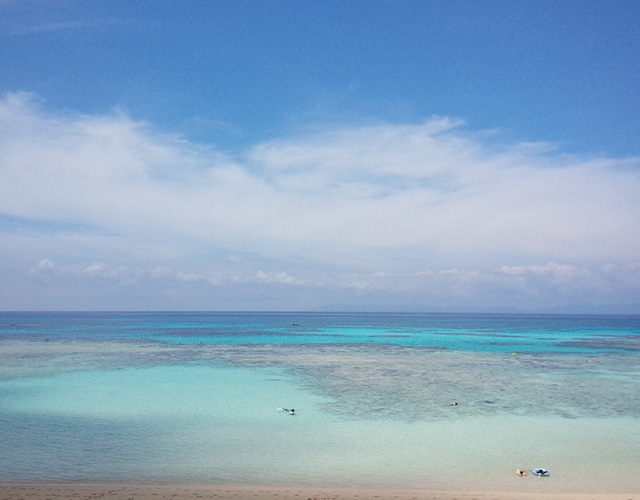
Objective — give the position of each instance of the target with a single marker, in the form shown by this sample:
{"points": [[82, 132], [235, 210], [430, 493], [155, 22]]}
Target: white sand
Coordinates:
{"points": [[183, 492]]}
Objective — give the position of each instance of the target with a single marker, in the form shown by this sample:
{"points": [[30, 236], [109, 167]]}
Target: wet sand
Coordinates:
{"points": [[183, 492]]}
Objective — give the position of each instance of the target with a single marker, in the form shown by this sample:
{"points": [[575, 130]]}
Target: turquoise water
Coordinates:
{"points": [[194, 398], [467, 332]]}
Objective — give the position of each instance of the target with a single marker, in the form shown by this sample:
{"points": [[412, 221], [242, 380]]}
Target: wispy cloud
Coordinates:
{"points": [[52, 27], [36, 17], [552, 287], [390, 208]]}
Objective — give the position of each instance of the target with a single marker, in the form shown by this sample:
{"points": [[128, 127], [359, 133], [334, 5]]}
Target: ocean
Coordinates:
{"points": [[442, 401]]}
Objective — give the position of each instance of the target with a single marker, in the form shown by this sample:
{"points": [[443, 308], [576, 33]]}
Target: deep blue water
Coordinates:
{"points": [[548, 334]]}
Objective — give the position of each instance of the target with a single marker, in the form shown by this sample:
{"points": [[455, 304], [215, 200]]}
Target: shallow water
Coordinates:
{"points": [[137, 398]]}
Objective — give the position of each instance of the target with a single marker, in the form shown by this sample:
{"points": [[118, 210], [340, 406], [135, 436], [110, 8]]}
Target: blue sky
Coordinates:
{"points": [[292, 155]]}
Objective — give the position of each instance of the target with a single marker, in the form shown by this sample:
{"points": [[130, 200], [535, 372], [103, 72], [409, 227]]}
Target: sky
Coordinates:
{"points": [[348, 155]]}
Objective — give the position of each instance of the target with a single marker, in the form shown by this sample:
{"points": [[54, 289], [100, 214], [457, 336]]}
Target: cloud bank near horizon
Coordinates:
{"points": [[432, 214]]}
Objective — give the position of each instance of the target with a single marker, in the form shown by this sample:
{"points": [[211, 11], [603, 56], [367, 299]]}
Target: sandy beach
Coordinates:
{"points": [[183, 492]]}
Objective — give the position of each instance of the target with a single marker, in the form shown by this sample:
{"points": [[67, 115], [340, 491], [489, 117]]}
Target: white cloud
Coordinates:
{"points": [[280, 278], [43, 265], [95, 270], [360, 208], [550, 268]]}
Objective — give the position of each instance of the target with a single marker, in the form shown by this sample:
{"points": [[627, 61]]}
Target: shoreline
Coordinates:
{"points": [[126, 491]]}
